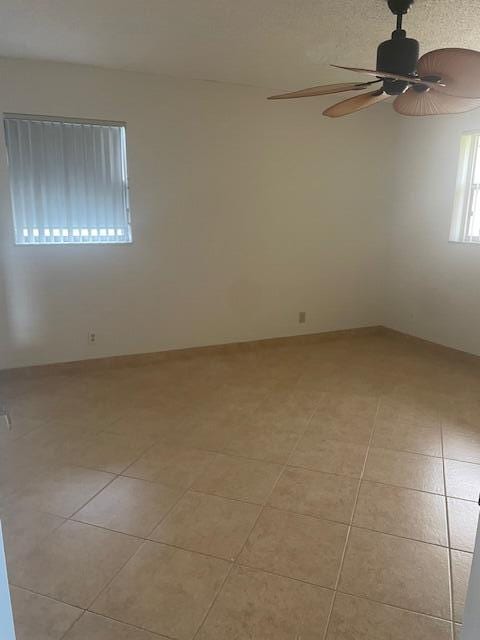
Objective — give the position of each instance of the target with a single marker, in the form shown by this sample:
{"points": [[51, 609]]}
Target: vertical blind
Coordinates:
{"points": [[68, 180]]}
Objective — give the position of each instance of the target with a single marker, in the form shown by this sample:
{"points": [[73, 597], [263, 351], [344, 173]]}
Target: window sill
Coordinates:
{"points": [[468, 242], [73, 244]]}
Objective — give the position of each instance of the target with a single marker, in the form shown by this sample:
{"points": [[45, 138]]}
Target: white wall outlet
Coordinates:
{"points": [[302, 317], [92, 337]]}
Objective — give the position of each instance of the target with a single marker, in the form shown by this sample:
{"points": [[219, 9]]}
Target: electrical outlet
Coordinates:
{"points": [[92, 337], [302, 317]]}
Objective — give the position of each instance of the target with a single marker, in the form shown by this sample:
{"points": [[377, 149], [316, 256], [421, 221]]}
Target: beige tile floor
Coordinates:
{"points": [[323, 490]]}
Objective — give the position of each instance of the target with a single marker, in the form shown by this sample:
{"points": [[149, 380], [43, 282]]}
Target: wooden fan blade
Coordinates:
{"points": [[323, 90], [390, 76], [431, 103], [458, 68], [355, 104]]}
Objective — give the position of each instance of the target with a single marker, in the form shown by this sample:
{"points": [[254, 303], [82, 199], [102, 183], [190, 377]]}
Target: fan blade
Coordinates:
{"points": [[390, 76], [324, 90], [458, 68], [355, 104], [431, 103]]}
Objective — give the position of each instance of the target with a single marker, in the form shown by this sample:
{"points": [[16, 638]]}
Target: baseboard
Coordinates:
{"points": [[140, 359], [433, 347]]}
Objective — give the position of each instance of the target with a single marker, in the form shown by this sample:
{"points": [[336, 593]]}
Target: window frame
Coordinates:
{"points": [[467, 192], [126, 182]]}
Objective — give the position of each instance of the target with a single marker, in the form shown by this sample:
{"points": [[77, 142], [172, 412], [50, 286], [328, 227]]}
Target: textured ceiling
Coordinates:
{"points": [[268, 43]]}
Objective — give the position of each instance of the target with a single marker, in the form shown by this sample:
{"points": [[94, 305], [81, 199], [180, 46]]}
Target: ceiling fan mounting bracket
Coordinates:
{"points": [[400, 7]]}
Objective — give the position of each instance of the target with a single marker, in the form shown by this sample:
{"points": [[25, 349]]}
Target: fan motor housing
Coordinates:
{"points": [[398, 55]]}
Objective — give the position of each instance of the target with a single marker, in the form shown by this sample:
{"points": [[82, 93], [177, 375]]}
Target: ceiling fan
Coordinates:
{"points": [[440, 82]]}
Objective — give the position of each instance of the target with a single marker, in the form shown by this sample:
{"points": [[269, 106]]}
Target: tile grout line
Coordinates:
{"points": [[168, 512], [108, 583], [217, 452], [71, 516], [69, 463], [449, 551], [293, 466], [143, 542], [264, 505], [296, 466], [279, 575], [347, 538], [286, 511], [316, 471], [278, 478], [395, 606], [127, 624], [272, 573], [115, 477], [214, 599], [72, 625], [70, 519], [123, 475], [81, 609], [235, 563]]}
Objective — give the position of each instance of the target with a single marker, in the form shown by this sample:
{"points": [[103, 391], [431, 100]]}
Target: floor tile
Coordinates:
{"points": [[254, 604], [262, 443], [171, 465], [282, 417], [359, 619], [349, 404], [404, 573], [462, 480], [17, 472], [208, 434], [24, 528], [407, 436], [56, 442], [404, 410], [346, 428], [88, 420], [129, 505], [402, 512], [94, 627], [249, 405], [164, 590], [41, 618], [208, 524], [314, 493], [330, 456], [74, 563], [296, 546], [144, 423], [458, 631], [112, 452], [402, 469], [462, 442], [22, 425], [463, 521], [461, 565], [62, 491], [239, 478]]}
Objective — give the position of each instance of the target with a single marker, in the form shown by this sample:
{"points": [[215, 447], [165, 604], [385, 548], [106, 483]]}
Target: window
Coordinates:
{"points": [[466, 214], [68, 180]]}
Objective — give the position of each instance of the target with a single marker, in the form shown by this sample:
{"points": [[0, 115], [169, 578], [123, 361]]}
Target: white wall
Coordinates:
{"points": [[433, 284], [244, 213]]}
